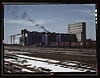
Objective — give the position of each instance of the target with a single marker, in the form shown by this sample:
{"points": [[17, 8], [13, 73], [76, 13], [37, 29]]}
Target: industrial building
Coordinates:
{"points": [[40, 38], [79, 29], [76, 32], [14, 39]]}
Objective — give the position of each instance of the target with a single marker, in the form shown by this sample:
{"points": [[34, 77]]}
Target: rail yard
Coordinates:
{"points": [[65, 45], [30, 59]]}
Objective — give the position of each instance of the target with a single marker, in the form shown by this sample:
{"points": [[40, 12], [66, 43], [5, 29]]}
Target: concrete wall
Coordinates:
{"points": [[79, 29]]}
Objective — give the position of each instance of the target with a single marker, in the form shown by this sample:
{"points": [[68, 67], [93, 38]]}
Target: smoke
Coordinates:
{"points": [[15, 12], [25, 16], [44, 28], [28, 18]]}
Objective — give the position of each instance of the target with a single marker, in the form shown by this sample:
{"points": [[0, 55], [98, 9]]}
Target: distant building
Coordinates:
{"points": [[79, 29]]}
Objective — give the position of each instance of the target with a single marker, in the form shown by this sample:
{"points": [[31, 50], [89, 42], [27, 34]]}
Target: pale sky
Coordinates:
{"points": [[54, 17]]}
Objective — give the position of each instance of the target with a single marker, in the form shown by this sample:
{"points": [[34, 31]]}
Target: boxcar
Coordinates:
{"points": [[54, 44], [88, 44], [67, 44], [93, 43], [77, 44], [61, 44]]}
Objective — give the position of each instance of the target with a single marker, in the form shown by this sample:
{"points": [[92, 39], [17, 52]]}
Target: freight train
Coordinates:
{"points": [[88, 44]]}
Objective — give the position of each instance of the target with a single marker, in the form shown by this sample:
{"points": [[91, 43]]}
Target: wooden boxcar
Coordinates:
{"points": [[77, 44], [88, 44], [54, 44], [67, 44], [93, 44], [61, 44]]}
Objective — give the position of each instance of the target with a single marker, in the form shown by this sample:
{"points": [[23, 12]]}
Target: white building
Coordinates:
{"points": [[79, 29], [14, 39]]}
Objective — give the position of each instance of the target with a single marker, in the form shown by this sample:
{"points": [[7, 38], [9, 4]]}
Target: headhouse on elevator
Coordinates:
{"points": [[79, 29]]}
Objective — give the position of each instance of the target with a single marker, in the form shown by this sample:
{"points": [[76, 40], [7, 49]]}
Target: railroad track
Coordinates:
{"points": [[59, 50], [62, 61], [49, 49], [63, 65], [28, 68], [79, 54], [86, 57], [53, 54]]}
